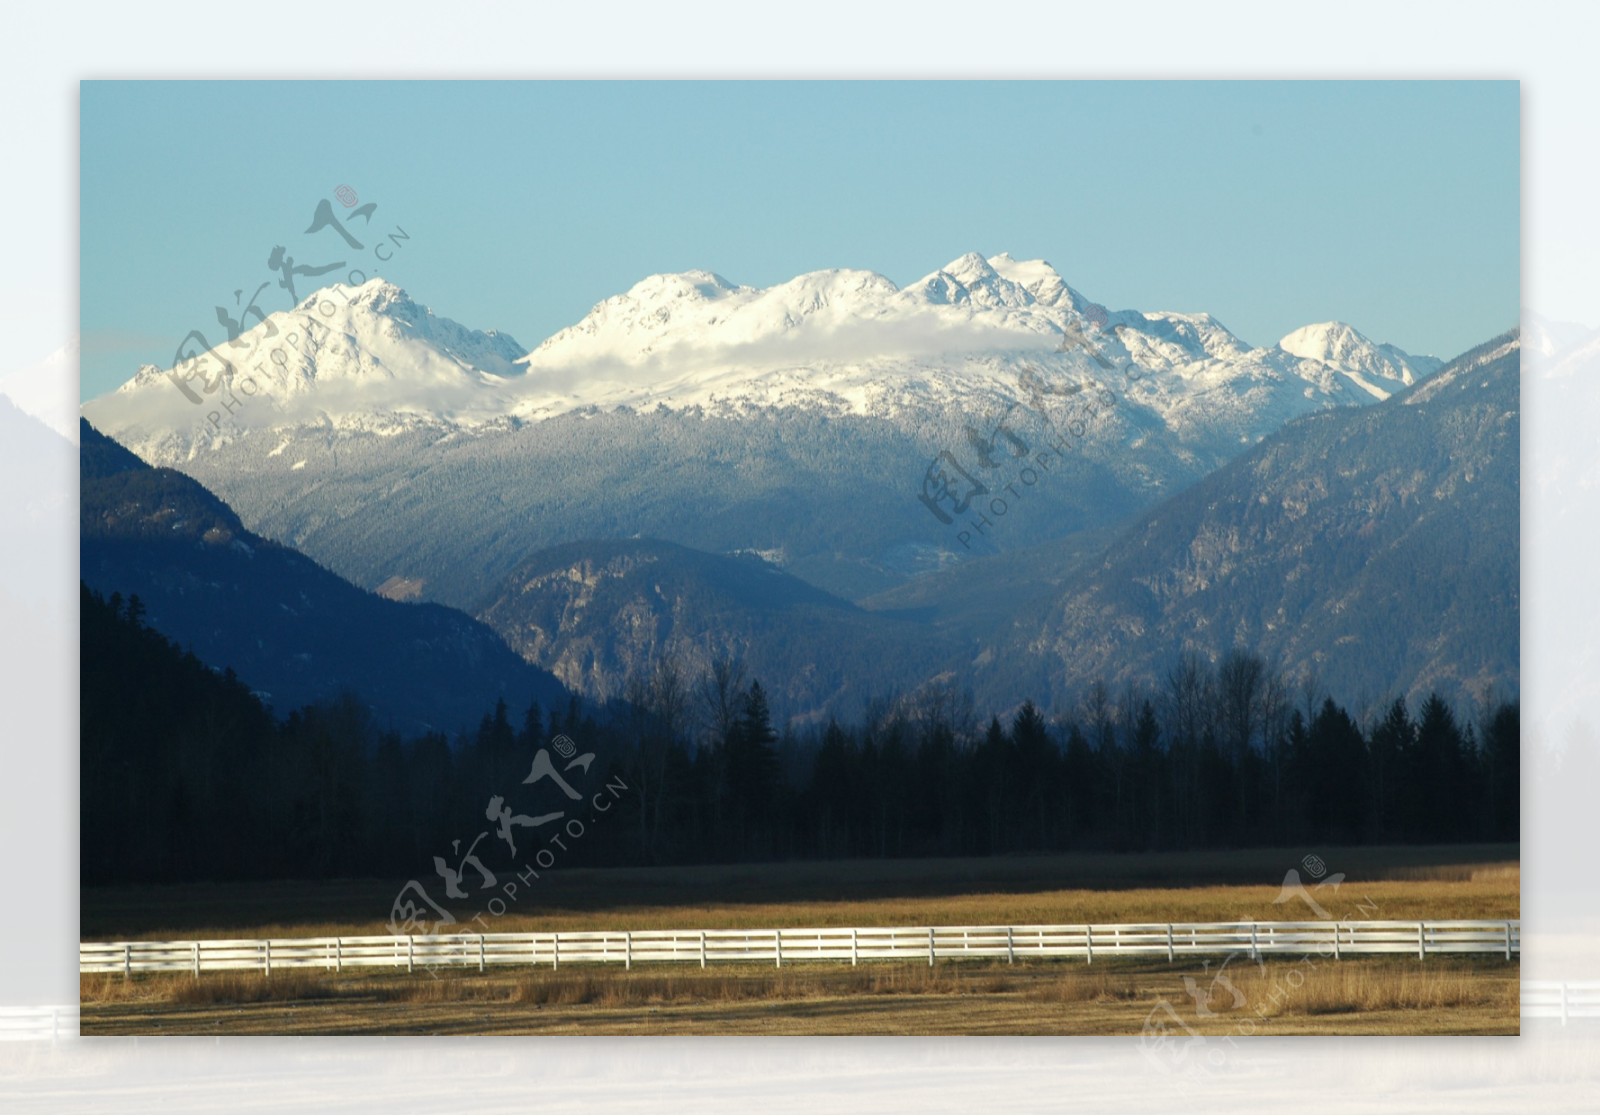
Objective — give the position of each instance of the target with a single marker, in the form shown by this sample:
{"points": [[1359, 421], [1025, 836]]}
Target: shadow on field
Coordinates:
{"points": [[362, 906]]}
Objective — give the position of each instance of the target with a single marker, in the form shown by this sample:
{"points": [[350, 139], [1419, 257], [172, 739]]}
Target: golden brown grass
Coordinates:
{"points": [[1311, 996], [1373, 995], [1398, 883], [212, 988], [1334, 988]]}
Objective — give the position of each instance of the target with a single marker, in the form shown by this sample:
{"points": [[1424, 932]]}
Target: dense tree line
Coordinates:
{"points": [[186, 776], [1218, 756]]}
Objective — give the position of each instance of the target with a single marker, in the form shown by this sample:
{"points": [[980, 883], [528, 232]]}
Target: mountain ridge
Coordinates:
{"points": [[843, 337], [290, 628], [1405, 551]]}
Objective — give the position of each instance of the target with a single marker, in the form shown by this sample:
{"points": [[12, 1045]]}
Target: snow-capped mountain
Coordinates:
{"points": [[1379, 369], [843, 341], [853, 339], [362, 357], [391, 443]]}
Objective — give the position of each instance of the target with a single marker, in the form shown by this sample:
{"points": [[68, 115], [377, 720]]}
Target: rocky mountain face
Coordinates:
{"points": [[1376, 547], [602, 614]]}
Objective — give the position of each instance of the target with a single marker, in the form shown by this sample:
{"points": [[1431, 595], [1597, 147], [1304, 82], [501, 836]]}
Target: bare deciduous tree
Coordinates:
{"points": [[720, 689], [1239, 682]]}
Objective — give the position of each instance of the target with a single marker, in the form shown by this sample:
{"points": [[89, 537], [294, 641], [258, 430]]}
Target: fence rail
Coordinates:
{"points": [[1561, 999], [778, 947], [44, 1023]]}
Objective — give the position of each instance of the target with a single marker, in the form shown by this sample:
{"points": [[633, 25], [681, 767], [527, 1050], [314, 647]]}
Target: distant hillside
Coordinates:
{"points": [[295, 632], [1378, 546], [599, 613]]}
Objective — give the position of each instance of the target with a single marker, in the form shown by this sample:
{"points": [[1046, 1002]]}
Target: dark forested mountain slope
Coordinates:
{"points": [[1378, 547], [288, 627]]}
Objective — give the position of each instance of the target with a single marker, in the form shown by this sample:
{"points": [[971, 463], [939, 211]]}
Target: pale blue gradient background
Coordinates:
{"points": [[1391, 205], [1549, 45]]}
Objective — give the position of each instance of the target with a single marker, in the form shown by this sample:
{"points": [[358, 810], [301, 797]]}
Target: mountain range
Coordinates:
{"points": [[844, 341], [801, 421], [832, 477]]}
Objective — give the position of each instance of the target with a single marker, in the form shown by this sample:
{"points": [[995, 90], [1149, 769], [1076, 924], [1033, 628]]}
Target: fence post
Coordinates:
{"points": [[410, 953], [1336, 941], [777, 948], [338, 955], [1508, 939], [268, 945], [1171, 954], [555, 950], [702, 949], [1088, 944], [853, 950], [930, 947], [1255, 949], [627, 949], [197, 960], [1011, 949], [127, 959], [1422, 942], [480, 953]]}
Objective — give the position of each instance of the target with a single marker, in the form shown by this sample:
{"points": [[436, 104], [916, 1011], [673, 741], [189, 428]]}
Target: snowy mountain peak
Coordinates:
{"points": [[970, 269], [1329, 342], [694, 286], [365, 355], [977, 282], [377, 294], [1344, 347], [379, 308], [1039, 279], [696, 316], [842, 339]]}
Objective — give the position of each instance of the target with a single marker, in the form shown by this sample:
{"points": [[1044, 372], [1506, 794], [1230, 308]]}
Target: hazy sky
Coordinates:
{"points": [[1391, 205]]}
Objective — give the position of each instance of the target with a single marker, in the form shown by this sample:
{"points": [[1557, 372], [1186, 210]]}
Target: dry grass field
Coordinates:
{"points": [[1374, 995], [1463, 881], [1285, 997]]}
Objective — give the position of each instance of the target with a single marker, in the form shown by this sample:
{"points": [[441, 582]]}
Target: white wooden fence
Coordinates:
{"points": [[1561, 999], [852, 944], [44, 1023]]}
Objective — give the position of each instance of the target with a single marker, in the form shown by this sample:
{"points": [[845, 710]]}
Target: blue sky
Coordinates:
{"points": [[1391, 205]]}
